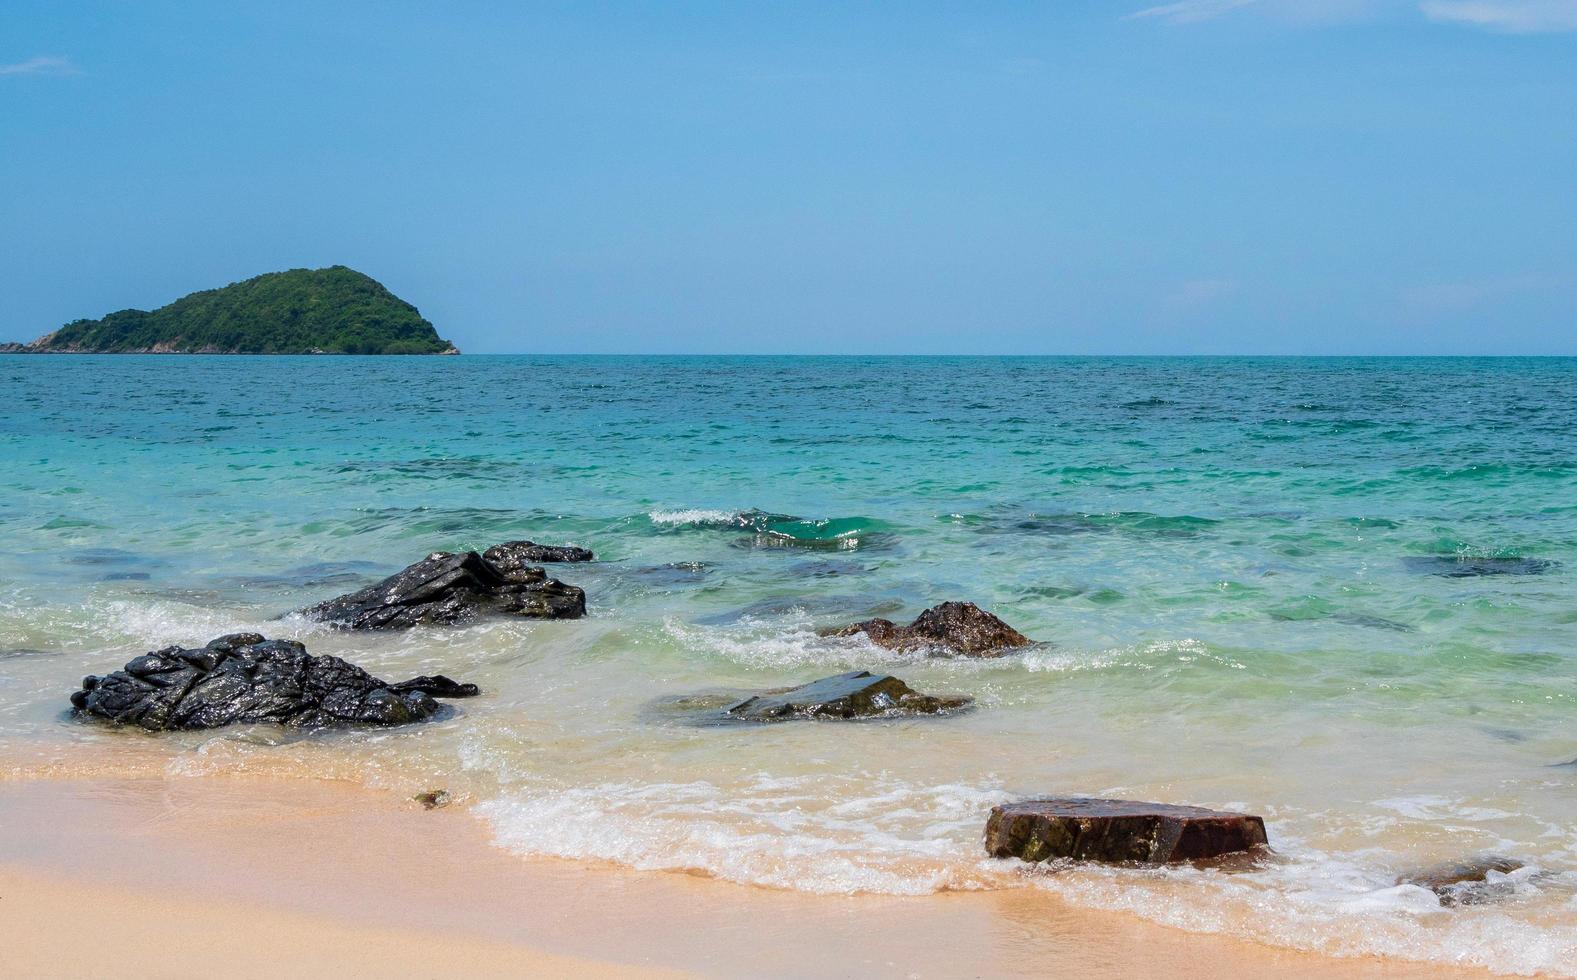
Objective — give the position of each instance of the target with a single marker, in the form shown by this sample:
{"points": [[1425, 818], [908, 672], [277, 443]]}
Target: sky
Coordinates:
{"points": [[1064, 177]]}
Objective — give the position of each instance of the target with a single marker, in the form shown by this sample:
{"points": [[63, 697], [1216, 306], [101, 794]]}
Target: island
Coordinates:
{"points": [[336, 310]]}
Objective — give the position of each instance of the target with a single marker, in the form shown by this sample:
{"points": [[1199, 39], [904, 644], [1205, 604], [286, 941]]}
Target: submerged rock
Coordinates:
{"points": [[962, 628], [243, 678], [673, 573], [1083, 829], [858, 694], [451, 588], [433, 798], [1374, 622], [1453, 566], [1473, 882]]}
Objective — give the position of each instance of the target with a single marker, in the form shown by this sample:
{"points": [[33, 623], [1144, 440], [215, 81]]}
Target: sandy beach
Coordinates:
{"points": [[177, 877]]}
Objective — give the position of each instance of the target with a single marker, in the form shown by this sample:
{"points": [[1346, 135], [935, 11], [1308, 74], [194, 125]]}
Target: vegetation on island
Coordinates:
{"points": [[303, 311]]}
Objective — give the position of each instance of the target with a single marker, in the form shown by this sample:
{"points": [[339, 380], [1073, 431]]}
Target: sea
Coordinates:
{"points": [[1340, 593]]}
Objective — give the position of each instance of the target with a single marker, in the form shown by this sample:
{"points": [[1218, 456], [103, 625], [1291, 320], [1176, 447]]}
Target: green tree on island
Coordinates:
{"points": [[302, 311]]}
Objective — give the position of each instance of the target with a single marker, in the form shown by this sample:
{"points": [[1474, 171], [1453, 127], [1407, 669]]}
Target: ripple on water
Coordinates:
{"points": [[1222, 580], [768, 530]]}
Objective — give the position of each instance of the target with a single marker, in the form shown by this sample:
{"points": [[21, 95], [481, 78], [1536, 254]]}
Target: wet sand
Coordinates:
{"points": [[182, 876]]}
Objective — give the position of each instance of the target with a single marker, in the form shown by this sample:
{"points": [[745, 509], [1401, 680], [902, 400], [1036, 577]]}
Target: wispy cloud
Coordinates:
{"points": [[1190, 11], [40, 66], [1509, 16], [1197, 294], [1506, 16], [1305, 12], [1445, 299]]}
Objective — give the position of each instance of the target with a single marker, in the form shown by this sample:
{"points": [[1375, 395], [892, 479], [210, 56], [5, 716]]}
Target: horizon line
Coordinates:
{"points": [[779, 354]]}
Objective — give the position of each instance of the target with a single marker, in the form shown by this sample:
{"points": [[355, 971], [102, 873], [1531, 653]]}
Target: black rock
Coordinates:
{"points": [[449, 588], [1451, 566], [438, 686], [858, 694], [1119, 831], [514, 555], [1468, 882], [244, 678]]}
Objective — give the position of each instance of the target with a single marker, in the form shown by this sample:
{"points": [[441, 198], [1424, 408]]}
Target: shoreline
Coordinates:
{"points": [[334, 874]]}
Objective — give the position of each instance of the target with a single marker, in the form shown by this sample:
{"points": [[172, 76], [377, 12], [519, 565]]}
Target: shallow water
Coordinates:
{"points": [[1341, 593]]}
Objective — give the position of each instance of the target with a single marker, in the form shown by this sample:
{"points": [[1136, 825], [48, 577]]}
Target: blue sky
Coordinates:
{"points": [[1208, 176]]}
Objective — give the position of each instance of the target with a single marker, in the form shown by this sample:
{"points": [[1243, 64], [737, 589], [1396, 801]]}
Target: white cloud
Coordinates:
{"points": [[1196, 294], [1296, 12], [1507, 16], [40, 66], [1510, 16], [1444, 299], [1190, 11]]}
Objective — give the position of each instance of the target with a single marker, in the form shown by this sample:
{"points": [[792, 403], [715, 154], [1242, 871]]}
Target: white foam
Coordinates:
{"points": [[1438, 808], [1328, 904], [695, 515], [1144, 656], [146, 623], [792, 640], [798, 833], [786, 641], [846, 834]]}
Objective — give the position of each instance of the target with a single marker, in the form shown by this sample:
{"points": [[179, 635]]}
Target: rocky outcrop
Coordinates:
{"points": [[244, 678], [959, 628], [447, 588], [1117, 831], [858, 694], [1473, 882]]}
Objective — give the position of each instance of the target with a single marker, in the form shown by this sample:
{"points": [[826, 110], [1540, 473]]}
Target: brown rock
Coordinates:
{"points": [[962, 628], [1117, 831]]}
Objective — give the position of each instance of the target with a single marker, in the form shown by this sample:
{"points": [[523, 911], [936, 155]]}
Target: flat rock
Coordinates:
{"points": [[857, 694], [1123, 831], [447, 588], [1451, 566], [960, 628], [1472, 882], [244, 678]]}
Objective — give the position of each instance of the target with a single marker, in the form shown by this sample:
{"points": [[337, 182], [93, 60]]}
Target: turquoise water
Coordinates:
{"points": [[1234, 564]]}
